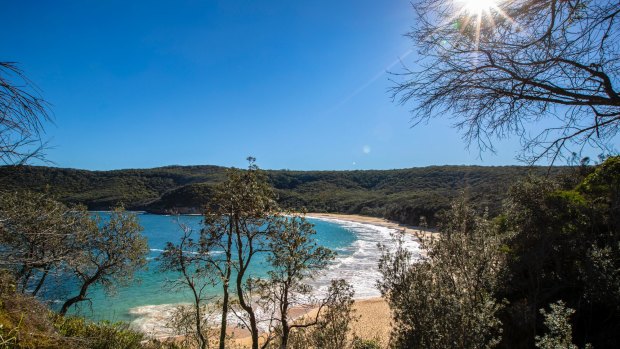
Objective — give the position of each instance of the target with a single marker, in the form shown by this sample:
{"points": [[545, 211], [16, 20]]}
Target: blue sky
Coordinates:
{"points": [[297, 84]]}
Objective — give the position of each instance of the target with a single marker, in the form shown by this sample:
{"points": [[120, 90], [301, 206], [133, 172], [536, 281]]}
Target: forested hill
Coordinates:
{"points": [[403, 195]]}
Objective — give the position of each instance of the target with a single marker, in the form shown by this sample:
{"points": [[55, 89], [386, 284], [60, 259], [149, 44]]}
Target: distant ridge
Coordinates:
{"points": [[403, 195]]}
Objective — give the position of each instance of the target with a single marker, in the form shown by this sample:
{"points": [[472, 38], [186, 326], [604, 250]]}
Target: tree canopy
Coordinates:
{"points": [[502, 66]]}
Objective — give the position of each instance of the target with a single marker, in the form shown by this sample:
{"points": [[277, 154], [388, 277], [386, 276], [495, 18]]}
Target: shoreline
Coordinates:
{"points": [[372, 312], [425, 233]]}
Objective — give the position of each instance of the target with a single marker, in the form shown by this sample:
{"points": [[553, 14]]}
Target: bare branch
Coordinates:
{"points": [[501, 73]]}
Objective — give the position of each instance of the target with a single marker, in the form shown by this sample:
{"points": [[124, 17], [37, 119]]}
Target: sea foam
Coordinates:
{"points": [[358, 264], [360, 267]]}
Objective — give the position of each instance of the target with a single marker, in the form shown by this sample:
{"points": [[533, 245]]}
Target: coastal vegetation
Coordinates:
{"points": [[525, 257], [400, 195], [542, 272], [240, 224], [491, 282]]}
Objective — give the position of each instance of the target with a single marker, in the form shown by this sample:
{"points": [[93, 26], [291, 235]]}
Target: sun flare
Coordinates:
{"points": [[478, 6], [479, 14]]}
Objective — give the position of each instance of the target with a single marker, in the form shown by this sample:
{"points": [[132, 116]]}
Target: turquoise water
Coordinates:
{"points": [[150, 287]]}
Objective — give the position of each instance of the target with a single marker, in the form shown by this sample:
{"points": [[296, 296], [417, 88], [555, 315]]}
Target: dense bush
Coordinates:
{"points": [[564, 244], [402, 195], [27, 323], [488, 283], [447, 299], [101, 335]]}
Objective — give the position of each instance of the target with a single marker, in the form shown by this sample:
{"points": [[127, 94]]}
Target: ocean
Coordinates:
{"points": [[148, 299]]}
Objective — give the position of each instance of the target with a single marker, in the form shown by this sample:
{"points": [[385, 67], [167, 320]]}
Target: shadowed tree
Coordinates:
{"points": [[564, 245], [447, 299], [499, 67], [40, 236]]}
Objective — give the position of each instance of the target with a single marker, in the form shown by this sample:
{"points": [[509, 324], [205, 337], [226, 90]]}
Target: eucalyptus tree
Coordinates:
{"points": [[237, 224], [501, 67], [294, 259], [112, 252], [39, 236], [331, 327], [187, 258]]}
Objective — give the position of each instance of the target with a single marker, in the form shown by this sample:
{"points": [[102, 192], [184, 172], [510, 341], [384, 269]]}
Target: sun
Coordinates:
{"points": [[479, 14], [477, 7]]}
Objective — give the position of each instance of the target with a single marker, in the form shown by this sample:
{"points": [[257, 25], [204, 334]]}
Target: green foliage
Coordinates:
{"points": [[604, 181], [102, 335], [447, 299], [294, 258], [330, 330], [110, 255], [401, 195], [27, 323], [565, 244], [560, 331], [482, 283], [333, 326], [40, 235]]}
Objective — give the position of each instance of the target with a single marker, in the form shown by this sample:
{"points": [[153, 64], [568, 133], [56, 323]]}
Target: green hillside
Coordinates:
{"points": [[403, 195]]}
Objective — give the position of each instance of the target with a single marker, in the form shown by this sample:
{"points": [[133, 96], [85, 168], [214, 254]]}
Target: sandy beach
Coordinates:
{"points": [[373, 314], [373, 322], [382, 222]]}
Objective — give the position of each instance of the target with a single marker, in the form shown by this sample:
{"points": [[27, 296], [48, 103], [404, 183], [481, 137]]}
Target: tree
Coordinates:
{"points": [[332, 327], [40, 236], [217, 234], [564, 245], [187, 259], [294, 259], [328, 327], [22, 115], [241, 223], [111, 254], [498, 66], [238, 224], [446, 300]]}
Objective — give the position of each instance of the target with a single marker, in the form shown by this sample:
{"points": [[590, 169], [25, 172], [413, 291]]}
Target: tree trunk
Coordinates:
{"points": [[286, 330], [26, 278], [285, 333], [248, 309], [242, 301], [203, 340], [41, 281], [225, 288], [82, 296]]}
